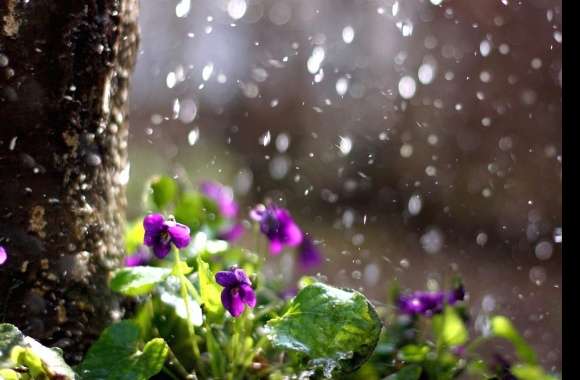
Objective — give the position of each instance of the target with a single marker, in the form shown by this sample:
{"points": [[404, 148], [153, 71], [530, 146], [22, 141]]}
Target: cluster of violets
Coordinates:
{"points": [[429, 303], [275, 223]]}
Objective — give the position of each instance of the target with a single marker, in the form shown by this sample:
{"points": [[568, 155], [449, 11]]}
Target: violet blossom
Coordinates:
{"points": [[429, 303], [278, 226], [308, 255], [3, 255], [140, 257], [161, 233], [237, 291], [227, 206], [222, 196]]}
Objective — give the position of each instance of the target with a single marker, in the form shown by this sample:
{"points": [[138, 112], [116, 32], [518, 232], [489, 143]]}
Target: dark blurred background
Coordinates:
{"points": [[414, 139]]}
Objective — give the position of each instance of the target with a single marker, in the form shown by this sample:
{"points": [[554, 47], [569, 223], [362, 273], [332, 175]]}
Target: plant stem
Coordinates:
{"points": [[185, 296]]}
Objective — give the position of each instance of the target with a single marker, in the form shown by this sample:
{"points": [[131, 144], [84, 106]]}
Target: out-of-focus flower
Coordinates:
{"points": [[278, 226], [429, 303], [423, 303], [161, 233], [223, 196], [3, 255], [237, 291], [308, 254], [231, 234], [141, 257]]}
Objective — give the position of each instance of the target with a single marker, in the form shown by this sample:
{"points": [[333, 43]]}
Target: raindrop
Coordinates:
{"points": [[282, 142], [341, 86], [264, 140], [182, 8], [538, 275], [406, 27], [432, 241], [481, 239], [344, 145], [171, 80], [207, 71], [348, 34], [544, 250], [407, 87], [426, 73], [485, 48], [237, 9], [415, 204], [193, 136], [558, 235]]}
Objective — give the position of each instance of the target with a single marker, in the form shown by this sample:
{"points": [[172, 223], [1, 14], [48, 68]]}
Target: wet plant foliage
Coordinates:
{"points": [[208, 311]]}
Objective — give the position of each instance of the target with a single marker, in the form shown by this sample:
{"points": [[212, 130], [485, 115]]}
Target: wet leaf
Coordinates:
{"points": [[530, 372], [209, 289], [502, 327], [449, 328], [16, 349], [137, 281], [337, 329], [115, 355], [163, 192]]}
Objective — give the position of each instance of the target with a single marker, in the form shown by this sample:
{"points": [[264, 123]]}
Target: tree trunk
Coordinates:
{"points": [[64, 73]]}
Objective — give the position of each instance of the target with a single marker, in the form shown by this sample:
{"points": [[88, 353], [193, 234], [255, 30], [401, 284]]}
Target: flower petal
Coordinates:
{"points": [[232, 301], [161, 249], [275, 247], [153, 223], [226, 278], [309, 256], [233, 233], [141, 257], [179, 234], [247, 295], [241, 276], [3, 255], [292, 234]]}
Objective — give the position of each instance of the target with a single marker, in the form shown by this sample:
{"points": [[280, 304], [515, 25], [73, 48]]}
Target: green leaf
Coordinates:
{"points": [[189, 210], [413, 353], [18, 349], [209, 290], [449, 328], [169, 295], [8, 374], [410, 372], [10, 337], [136, 281], [530, 372], [115, 355], [502, 327], [337, 329], [134, 236], [163, 191]]}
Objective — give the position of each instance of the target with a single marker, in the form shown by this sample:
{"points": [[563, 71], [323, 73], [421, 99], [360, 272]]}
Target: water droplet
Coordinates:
{"points": [[344, 145], [237, 9], [264, 140], [193, 136], [182, 8], [544, 250], [407, 87], [415, 204], [348, 34]]}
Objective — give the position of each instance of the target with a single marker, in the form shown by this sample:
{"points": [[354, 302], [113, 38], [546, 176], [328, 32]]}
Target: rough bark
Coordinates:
{"points": [[64, 73]]}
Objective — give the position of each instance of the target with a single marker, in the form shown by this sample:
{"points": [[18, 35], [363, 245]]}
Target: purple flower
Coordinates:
{"points": [[231, 234], [308, 255], [140, 257], [222, 196], [423, 303], [160, 233], [3, 255], [429, 303], [278, 226], [237, 291]]}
